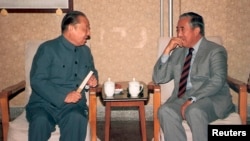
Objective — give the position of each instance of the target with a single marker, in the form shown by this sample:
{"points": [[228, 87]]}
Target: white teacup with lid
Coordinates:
{"points": [[109, 88], [134, 88]]}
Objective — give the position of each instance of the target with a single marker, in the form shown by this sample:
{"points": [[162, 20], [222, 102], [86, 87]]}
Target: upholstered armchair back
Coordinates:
{"points": [[30, 50]]}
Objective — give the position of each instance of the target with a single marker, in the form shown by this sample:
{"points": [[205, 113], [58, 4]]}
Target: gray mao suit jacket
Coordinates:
{"points": [[208, 75]]}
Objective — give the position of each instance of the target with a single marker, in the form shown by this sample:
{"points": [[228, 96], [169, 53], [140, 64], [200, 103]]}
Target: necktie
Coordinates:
{"points": [[184, 74]]}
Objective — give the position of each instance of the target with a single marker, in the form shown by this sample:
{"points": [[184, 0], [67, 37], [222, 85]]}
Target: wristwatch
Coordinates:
{"points": [[192, 99]]}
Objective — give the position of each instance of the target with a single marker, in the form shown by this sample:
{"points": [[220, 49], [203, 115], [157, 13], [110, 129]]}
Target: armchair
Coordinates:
{"points": [[18, 128], [163, 91]]}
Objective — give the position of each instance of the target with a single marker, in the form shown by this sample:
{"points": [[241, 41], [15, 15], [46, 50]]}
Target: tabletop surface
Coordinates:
{"points": [[124, 95]]}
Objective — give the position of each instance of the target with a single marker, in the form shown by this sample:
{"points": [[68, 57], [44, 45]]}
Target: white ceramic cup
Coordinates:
{"points": [[135, 88], [109, 88]]}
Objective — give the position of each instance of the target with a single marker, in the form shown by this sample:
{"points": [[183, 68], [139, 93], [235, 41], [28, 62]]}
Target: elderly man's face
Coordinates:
{"points": [[80, 32], [188, 34]]}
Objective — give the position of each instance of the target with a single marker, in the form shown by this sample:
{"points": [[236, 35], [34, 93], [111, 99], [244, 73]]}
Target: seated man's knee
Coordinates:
{"points": [[42, 122], [193, 112], [77, 115]]}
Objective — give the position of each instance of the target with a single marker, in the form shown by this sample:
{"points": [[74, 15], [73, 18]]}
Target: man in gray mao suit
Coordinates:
{"points": [[206, 96]]}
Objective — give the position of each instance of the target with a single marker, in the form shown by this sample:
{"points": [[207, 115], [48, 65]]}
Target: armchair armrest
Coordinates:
{"points": [[241, 88], [93, 93], [153, 87], [156, 91], [5, 95], [235, 84], [13, 89]]}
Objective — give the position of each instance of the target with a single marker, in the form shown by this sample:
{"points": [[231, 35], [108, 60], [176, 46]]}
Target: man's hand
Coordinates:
{"points": [[92, 81], [184, 107], [73, 97], [173, 43]]}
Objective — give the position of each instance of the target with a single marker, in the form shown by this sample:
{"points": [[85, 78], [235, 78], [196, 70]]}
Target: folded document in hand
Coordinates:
{"points": [[84, 82]]}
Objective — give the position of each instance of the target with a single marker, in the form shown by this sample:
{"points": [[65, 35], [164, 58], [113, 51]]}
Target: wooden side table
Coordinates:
{"points": [[125, 100]]}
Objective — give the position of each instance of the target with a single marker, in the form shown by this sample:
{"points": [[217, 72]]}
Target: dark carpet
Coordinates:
{"points": [[125, 130]]}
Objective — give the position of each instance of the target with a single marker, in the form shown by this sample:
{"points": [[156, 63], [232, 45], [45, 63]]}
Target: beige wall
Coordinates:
{"points": [[124, 35]]}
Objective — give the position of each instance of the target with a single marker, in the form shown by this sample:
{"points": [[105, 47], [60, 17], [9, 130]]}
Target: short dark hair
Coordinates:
{"points": [[196, 20], [70, 18]]}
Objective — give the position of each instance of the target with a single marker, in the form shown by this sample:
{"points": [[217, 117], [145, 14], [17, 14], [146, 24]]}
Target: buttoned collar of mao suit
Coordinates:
{"points": [[67, 44]]}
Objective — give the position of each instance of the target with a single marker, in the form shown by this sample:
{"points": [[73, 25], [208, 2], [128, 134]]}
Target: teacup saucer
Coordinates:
{"points": [[118, 91], [134, 96], [109, 96]]}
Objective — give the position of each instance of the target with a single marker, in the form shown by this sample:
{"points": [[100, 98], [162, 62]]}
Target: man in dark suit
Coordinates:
{"points": [[59, 66], [205, 96]]}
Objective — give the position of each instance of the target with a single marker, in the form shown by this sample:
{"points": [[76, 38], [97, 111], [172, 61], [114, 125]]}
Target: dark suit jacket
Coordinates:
{"points": [[208, 75]]}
